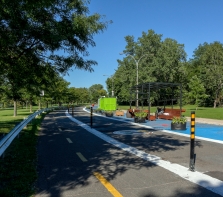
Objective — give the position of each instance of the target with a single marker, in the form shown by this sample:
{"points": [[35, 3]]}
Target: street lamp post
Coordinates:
{"points": [[137, 75], [112, 84]]}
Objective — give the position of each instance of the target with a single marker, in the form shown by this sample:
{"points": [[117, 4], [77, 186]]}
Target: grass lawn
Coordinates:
{"points": [[8, 122], [201, 112], [18, 167]]}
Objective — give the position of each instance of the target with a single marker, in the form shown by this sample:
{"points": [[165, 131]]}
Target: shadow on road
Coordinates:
{"points": [[61, 170]]}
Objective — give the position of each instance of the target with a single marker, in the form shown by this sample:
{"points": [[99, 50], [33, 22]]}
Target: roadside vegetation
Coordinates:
{"points": [[201, 112], [165, 60], [18, 167]]}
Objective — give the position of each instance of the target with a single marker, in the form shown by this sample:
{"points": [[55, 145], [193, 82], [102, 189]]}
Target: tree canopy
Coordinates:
{"points": [[164, 60], [54, 31], [39, 40], [158, 61]]}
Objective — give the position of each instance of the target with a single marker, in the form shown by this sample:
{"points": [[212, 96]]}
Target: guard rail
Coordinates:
{"points": [[7, 139]]}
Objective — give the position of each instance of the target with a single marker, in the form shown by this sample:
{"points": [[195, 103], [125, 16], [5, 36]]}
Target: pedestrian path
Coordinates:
{"points": [[206, 129]]}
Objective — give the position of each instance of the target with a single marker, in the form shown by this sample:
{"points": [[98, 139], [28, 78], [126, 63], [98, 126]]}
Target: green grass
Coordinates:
{"points": [[8, 122], [18, 168], [201, 112]]}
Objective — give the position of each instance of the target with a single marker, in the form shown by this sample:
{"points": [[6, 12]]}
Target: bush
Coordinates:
{"points": [[140, 114], [178, 120]]}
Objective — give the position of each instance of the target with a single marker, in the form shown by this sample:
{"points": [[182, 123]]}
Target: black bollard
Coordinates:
{"points": [[91, 116], [192, 143]]}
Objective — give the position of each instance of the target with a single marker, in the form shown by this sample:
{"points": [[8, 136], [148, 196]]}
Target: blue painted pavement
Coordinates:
{"points": [[202, 130]]}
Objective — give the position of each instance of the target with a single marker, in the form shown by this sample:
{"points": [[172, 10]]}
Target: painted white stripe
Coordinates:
{"points": [[69, 140], [198, 178], [81, 157]]}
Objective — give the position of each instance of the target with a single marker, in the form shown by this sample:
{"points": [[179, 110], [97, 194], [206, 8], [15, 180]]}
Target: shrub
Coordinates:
{"points": [[179, 120], [140, 114]]}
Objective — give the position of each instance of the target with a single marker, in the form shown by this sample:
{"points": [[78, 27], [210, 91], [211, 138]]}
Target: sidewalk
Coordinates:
{"points": [[207, 121], [202, 120]]}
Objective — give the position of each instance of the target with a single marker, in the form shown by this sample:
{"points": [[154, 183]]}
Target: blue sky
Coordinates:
{"points": [[190, 22]]}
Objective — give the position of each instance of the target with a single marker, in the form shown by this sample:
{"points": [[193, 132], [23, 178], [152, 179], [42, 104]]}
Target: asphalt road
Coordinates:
{"points": [[74, 162]]}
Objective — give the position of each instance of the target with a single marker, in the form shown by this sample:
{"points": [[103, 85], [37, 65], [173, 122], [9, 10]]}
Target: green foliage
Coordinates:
{"points": [[109, 111], [179, 120], [18, 168], [196, 93], [140, 114], [39, 40], [37, 29], [157, 60], [96, 91], [201, 112], [160, 60], [208, 58]]}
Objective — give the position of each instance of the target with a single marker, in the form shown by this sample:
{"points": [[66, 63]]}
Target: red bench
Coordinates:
{"points": [[170, 113]]}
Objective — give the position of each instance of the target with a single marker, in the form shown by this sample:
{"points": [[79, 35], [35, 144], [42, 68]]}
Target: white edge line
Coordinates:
{"points": [[69, 140], [198, 178], [82, 158]]}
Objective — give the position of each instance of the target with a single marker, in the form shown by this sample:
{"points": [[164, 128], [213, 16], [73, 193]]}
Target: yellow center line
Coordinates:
{"points": [[81, 157], [107, 185]]}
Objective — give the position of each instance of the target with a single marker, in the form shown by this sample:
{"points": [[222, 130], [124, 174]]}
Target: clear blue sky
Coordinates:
{"points": [[190, 22]]}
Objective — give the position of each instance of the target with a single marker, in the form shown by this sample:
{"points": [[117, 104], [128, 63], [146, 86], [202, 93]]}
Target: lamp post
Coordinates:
{"points": [[112, 84], [137, 75]]}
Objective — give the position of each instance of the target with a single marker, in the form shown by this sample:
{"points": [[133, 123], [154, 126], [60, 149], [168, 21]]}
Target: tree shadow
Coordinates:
{"points": [[190, 191], [68, 171], [61, 169], [7, 126]]}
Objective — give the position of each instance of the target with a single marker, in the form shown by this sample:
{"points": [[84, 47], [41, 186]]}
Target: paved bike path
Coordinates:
{"points": [[63, 173]]}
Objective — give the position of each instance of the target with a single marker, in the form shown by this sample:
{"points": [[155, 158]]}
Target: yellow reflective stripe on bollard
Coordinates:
{"points": [[107, 185], [192, 136]]}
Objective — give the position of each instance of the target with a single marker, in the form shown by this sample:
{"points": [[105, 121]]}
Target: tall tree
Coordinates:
{"points": [[40, 29], [152, 59], [53, 32], [209, 59], [96, 91], [196, 93]]}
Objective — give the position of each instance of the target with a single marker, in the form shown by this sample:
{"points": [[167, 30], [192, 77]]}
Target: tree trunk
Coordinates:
{"points": [[31, 107], [15, 108], [215, 103], [26, 104], [39, 104]]}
